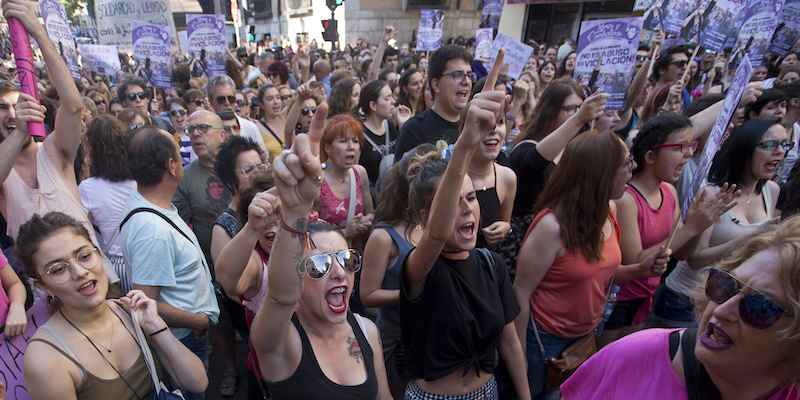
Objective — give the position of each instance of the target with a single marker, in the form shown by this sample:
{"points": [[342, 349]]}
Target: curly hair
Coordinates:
{"points": [[339, 101], [105, 136], [392, 203], [225, 164]]}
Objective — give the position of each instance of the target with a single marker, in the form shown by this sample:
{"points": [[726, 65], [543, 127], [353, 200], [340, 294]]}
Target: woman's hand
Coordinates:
{"points": [[674, 95], [704, 212], [521, 89], [145, 309], [302, 57], [263, 210], [304, 92], [484, 108], [389, 32], [655, 264], [592, 108], [359, 225], [16, 321], [496, 232], [297, 171], [400, 115]]}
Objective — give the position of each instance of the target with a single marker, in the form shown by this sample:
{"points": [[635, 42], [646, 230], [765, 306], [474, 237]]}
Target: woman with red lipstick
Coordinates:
{"points": [[309, 346], [89, 342], [648, 209], [748, 159], [571, 253], [341, 144], [746, 344], [456, 304]]}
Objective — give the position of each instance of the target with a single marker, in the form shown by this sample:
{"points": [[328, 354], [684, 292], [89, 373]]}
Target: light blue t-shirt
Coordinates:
{"points": [[160, 256]]}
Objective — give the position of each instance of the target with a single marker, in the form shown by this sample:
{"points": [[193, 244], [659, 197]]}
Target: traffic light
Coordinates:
{"points": [[329, 33]]}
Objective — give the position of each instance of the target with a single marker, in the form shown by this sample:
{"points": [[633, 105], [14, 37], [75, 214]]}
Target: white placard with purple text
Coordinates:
{"points": [[483, 42], [517, 53], [101, 59]]}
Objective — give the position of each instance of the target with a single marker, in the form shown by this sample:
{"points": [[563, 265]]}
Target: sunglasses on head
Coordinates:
{"points": [[317, 266], [223, 99], [755, 308], [176, 113], [137, 125], [306, 110], [133, 96]]}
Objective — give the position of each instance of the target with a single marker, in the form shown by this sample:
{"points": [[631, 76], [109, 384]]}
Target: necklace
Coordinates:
{"points": [[108, 348], [482, 176]]}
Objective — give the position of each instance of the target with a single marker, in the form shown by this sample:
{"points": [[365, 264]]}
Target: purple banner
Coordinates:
{"points": [[151, 52], [57, 26], [614, 43], [12, 352], [206, 36], [429, 33], [720, 25], [490, 17], [787, 34], [757, 27]]}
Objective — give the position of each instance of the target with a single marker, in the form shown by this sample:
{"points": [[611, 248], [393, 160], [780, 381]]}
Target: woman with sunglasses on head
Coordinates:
{"points": [[302, 109], [648, 210], [748, 158], [745, 346], [89, 343], [571, 252], [271, 122], [134, 118], [307, 343]]}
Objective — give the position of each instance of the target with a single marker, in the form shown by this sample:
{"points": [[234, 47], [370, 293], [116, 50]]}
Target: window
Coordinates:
{"points": [[295, 7], [261, 8], [427, 4]]}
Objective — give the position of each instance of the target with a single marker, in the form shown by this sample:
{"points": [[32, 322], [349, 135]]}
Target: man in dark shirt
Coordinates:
{"points": [[450, 80]]}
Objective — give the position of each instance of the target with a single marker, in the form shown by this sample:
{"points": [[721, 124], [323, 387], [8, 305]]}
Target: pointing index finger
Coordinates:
{"points": [[317, 127], [491, 79]]}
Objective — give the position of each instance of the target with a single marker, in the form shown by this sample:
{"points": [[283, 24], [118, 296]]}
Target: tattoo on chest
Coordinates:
{"points": [[354, 349]]}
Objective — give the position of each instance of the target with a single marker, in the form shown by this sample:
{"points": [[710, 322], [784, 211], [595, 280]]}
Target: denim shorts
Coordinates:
{"points": [[673, 309]]}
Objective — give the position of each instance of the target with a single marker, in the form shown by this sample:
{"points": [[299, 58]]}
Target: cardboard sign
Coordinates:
{"points": [[517, 53], [101, 59], [114, 19]]}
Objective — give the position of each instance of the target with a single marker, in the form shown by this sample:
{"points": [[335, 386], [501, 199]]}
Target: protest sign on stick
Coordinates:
{"points": [[151, 52], [206, 36], [721, 23], [26, 72], [57, 26], [756, 28], [607, 56], [490, 16], [12, 352], [787, 33], [735, 92], [114, 19], [429, 32], [483, 42], [101, 59]]}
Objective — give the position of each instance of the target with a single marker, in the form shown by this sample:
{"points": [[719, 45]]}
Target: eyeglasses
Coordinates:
{"points": [[255, 168], [241, 103], [140, 95], [460, 77], [755, 308], [61, 272], [272, 74], [234, 129], [679, 64], [180, 112], [136, 125], [306, 110], [628, 163], [222, 99], [201, 128], [685, 146], [772, 145], [571, 109], [98, 102], [285, 97], [317, 266], [198, 102]]}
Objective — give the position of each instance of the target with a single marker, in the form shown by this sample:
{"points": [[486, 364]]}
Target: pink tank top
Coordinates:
{"points": [[334, 209], [655, 226]]}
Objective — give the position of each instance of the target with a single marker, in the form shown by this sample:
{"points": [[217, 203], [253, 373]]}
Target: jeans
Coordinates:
{"points": [[673, 309], [537, 367], [198, 346]]}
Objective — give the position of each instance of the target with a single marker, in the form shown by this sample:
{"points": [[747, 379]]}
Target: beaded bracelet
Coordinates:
{"points": [[307, 241], [159, 331]]}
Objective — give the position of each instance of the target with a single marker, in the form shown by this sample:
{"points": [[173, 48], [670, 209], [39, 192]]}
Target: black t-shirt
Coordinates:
{"points": [[370, 156], [533, 171], [427, 127], [458, 320]]}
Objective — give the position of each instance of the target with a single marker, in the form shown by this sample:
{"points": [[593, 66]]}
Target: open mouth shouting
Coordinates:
{"points": [[337, 299]]}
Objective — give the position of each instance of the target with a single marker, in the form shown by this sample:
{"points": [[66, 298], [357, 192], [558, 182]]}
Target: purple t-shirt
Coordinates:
{"points": [[637, 366], [4, 303]]}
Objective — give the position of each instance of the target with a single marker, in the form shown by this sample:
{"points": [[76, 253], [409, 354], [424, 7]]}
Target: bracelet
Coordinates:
{"points": [[511, 117], [159, 331], [307, 241]]}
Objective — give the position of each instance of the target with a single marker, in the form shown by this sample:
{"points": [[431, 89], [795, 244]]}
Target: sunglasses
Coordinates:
{"points": [[755, 308], [137, 125], [140, 95], [241, 103], [198, 102], [306, 110], [641, 57], [685, 146], [201, 128], [679, 64], [254, 168], [176, 113], [98, 102], [223, 99], [773, 144], [317, 266], [285, 97], [272, 74]]}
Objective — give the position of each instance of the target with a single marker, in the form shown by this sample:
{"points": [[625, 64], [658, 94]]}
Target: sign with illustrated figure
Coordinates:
{"points": [[205, 34], [151, 53], [429, 32]]}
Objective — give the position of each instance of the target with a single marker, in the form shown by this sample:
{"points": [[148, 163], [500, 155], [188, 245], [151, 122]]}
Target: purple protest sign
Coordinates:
{"points": [[12, 352], [206, 36], [429, 32], [757, 26], [720, 23], [57, 26], [787, 34], [151, 52], [615, 41], [490, 16], [738, 85], [675, 14]]}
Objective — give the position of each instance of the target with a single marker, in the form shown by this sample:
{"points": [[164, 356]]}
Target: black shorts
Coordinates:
{"points": [[623, 314]]}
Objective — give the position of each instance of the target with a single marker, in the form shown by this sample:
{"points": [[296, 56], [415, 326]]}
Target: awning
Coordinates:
{"points": [[185, 6]]}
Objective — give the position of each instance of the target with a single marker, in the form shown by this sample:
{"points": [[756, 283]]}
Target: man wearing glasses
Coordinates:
{"points": [[450, 80], [264, 60], [669, 67], [134, 93], [220, 89]]}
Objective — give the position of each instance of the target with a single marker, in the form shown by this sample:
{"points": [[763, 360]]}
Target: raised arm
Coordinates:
{"points": [[375, 66], [297, 174], [481, 119], [555, 142], [62, 144], [303, 93]]}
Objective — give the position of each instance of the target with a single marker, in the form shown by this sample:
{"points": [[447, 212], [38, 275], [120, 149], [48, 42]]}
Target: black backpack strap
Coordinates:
{"points": [[272, 132], [487, 256], [150, 210], [698, 383], [674, 341]]}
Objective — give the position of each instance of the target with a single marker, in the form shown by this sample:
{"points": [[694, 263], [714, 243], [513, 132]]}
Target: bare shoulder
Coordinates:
{"points": [[506, 175], [548, 226]]}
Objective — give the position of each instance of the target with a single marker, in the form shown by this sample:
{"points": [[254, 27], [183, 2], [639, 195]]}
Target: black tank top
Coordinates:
{"points": [[490, 208], [309, 382]]}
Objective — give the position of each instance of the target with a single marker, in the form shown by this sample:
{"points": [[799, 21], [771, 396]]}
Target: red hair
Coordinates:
{"points": [[340, 126]]}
